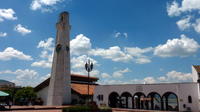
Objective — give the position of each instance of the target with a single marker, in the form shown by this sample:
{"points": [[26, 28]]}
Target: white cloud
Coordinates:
{"points": [[24, 77], [149, 80], [21, 29], [42, 63], [187, 7], [119, 34], [174, 76], [184, 23], [170, 77], [138, 54], [7, 14], [45, 77], [182, 47], [46, 44], [93, 73], [10, 53], [162, 78], [114, 53], [46, 53], [179, 76], [120, 73], [105, 75], [80, 45], [174, 9], [46, 62], [79, 62], [78, 65], [196, 26], [44, 5], [142, 60], [112, 82], [125, 35], [3, 34], [25, 74]]}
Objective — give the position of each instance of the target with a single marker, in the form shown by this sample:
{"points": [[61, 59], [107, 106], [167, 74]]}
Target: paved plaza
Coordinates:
{"points": [[59, 109]]}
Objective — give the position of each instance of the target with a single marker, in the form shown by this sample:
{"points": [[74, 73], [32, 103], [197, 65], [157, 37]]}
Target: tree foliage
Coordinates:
{"points": [[25, 95]]}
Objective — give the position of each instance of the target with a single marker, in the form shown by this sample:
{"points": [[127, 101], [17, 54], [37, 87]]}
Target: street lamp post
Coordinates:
{"points": [[88, 68]]}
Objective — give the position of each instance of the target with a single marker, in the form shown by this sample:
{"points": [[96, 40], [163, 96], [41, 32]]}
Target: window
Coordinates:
{"points": [[189, 99], [184, 106], [100, 97]]}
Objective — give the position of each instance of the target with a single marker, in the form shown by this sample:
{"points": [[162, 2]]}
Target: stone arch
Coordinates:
{"points": [[138, 102], [126, 100], [154, 101], [113, 100], [170, 101]]}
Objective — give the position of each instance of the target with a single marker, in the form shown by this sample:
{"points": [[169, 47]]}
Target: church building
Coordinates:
{"points": [[79, 88]]}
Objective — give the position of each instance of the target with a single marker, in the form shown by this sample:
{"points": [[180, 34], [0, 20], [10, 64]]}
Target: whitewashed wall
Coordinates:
{"points": [[182, 90], [43, 93]]}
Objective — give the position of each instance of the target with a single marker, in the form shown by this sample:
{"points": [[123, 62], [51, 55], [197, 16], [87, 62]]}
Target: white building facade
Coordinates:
{"points": [[163, 96]]}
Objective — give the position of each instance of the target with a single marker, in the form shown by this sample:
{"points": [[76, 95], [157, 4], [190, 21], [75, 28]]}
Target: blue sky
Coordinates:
{"points": [[129, 41]]}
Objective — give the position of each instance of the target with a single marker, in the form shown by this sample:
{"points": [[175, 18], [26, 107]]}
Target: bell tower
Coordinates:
{"points": [[59, 91]]}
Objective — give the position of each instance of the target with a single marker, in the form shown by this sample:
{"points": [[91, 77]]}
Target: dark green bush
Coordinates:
{"points": [[76, 109], [86, 109], [25, 95]]}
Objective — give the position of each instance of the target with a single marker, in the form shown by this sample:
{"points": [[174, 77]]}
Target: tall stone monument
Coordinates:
{"points": [[59, 91]]}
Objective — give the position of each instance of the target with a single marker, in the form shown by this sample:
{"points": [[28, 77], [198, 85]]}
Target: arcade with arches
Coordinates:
{"points": [[152, 101]]}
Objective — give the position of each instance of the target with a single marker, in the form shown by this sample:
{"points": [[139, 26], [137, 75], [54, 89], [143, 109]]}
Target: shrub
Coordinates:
{"points": [[77, 109], [86, 109]]}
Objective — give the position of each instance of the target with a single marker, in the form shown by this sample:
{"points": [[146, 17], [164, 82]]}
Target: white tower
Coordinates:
{"points": [[59, 91]]}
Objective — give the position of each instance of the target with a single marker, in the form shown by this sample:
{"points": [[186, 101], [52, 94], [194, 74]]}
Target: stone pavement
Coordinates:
{"points": [[51, 110], [137, 110], [59, 109], [35, 108]]}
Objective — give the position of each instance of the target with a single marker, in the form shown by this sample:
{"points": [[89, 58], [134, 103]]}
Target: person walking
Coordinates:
{"points": [[10, 103]]}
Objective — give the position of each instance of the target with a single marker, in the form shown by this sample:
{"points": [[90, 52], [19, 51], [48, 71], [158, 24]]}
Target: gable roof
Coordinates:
{"points": [[78, 84], [77, 77], [5, 81]]}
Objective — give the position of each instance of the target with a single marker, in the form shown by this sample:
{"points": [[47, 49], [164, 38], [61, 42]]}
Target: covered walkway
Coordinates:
{"points": [[153, 101]]}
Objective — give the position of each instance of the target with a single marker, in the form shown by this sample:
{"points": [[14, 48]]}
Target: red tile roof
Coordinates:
{"points": [[83, 88]]}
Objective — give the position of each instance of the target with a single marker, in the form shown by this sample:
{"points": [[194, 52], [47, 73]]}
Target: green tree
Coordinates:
{"points": [[25, 95], [10, 91]]}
